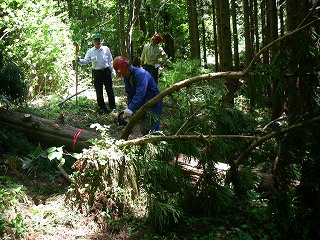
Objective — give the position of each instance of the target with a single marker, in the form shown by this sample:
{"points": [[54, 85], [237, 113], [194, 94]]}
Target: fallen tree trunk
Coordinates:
{"points": [[190, 166], [48, 132]]}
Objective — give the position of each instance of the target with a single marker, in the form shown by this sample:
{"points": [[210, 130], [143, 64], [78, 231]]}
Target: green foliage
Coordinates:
{"points": [[39, 44], [162, 215], [104, 171], [11, 222], [56, 153], [244, 182], [259, 79], [181, 70], [5, 102], [213, 198], [12, 83], [41, 161], [14, 142]]}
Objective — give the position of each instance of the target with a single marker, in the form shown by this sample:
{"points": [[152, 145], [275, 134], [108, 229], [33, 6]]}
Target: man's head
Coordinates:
{"points": [[156, 38], [122, 66], [96, 40]]}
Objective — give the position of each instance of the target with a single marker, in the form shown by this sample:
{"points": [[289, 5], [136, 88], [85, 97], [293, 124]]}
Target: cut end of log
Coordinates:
{"points": [[27, 117]]}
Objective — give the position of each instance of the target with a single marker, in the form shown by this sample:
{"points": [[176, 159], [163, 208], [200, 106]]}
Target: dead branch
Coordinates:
{"points": [[154, 139]]}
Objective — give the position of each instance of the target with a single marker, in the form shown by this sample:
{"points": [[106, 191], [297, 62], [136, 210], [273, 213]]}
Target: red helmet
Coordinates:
{"points": [[120, 64], [158, 37]]}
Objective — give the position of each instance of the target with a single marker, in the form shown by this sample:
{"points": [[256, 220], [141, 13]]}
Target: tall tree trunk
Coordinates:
{"points": [[203, 33], [193, 29], [215, 37], [292, 22], [247, 36], [265, 29], [121, 29], [226, 51], [281, 17], [277, 96], [256, 26], [235, 35], [219, 31], [251, 23], [133, 10], [168, 39], [273, 26], [142, 21], [225, 36]]}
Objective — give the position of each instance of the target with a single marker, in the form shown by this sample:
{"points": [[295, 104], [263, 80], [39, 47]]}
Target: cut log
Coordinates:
{"points": [[48, 132]]}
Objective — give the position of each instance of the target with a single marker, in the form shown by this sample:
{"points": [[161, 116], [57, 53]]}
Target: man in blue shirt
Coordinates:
{"points": [[102, 68], [140, 88]]}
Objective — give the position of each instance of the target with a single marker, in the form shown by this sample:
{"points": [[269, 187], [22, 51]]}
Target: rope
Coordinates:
{"points": [[75, 137]]}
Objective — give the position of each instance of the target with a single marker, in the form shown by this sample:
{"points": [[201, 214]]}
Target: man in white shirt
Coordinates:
{"points": [[102, 69], [152, 56]]}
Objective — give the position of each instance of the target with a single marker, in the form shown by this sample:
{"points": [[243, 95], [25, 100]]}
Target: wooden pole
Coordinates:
{"points": [[77, 65]]}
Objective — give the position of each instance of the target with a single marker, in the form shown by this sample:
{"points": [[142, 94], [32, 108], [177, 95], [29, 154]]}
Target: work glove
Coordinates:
{"points": [[128, 112], [77, 59]]}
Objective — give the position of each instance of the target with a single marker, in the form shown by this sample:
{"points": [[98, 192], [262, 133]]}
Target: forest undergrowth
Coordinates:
{"points": [[139, 191]]}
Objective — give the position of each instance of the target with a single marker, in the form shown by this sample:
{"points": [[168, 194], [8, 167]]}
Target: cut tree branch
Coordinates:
{"points": [[202, 138], [273, 134]]}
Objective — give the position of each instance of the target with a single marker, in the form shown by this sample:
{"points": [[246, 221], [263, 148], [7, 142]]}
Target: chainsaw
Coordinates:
{"points": [[121, 119]]}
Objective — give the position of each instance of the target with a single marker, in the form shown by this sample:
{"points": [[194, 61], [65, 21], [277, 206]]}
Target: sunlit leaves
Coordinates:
{"points": [[40, 45]]}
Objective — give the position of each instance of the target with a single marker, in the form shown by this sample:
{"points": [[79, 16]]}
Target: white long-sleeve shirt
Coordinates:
{"points": [[100, 58]]}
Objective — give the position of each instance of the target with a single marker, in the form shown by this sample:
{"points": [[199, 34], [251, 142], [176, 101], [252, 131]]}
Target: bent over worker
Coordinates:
{"points": [[102, 68], [140, 87]]}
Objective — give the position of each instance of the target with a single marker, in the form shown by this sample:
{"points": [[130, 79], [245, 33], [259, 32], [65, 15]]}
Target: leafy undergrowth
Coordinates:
{"points": [[33, 207], [37, 211]]}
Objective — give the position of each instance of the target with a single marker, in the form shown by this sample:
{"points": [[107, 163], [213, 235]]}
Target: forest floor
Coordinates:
{"points": [[46, 216]]}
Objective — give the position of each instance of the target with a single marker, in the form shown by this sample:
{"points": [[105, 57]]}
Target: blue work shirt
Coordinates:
{"points": [[140, 88]]}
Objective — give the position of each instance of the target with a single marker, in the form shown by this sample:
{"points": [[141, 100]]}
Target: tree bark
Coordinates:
{"points": [[193, 29], [48, 132], [203, 35], [169, 46], [225, 51], [121, 29], [215, 38], [247, 36], [234, 7]]}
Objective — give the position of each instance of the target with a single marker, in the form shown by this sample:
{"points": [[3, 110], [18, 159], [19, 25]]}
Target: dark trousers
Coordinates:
{"points": [[103, 78], [153, 71], [151, 120]]}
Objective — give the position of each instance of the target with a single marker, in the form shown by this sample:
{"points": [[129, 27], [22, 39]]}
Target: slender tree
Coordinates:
{"points": [[215, 36], [247, 32], [225, 49], [256, 26], [203, 34], [235, 35], [121, 28]]}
